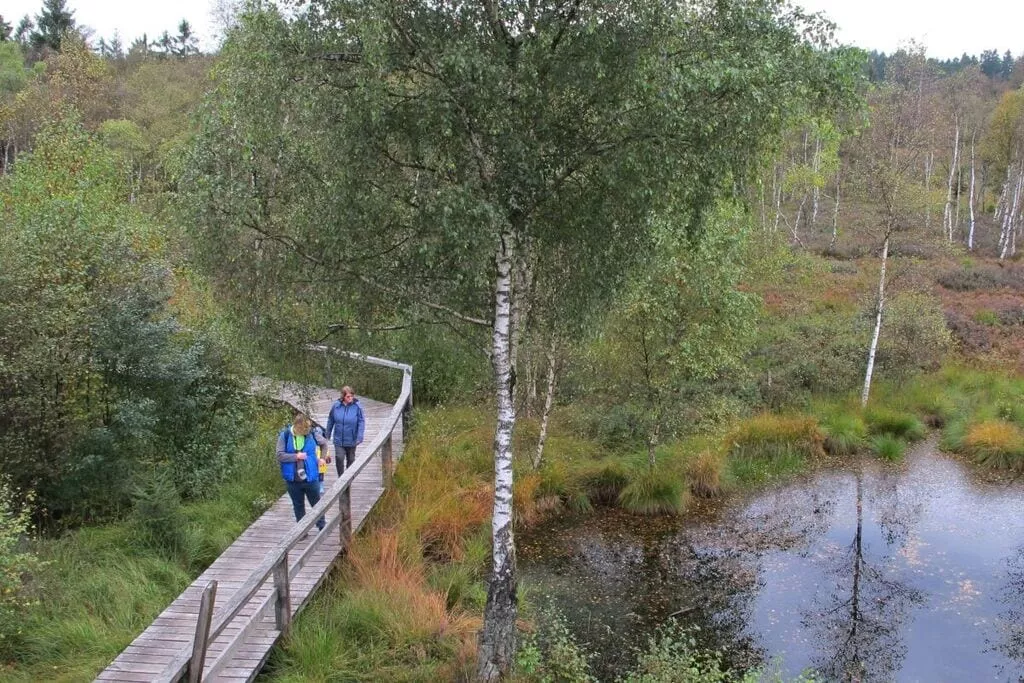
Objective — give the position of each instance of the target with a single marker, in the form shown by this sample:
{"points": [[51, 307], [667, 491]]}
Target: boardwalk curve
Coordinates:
{"points": [[223, 626]]}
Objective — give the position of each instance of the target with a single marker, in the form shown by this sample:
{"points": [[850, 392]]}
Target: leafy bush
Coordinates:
{"points": [[654, 492], [15, 564], [983, 277], [996, 444], [769, 436], [673, 656], [888, 447], [881, 420], [552, 655], [914, 337], [845, 433]]}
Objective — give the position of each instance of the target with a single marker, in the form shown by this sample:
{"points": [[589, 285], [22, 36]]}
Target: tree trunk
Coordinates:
{"points": [[878, 326], [970, 200], [777, 198], [835, 218], [549, 398], [796, 223], [497, 643], [817, 190], [929, 164], [947, 213]]}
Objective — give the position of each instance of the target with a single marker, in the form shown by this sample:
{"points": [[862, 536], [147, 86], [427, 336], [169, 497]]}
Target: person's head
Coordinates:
{"points": [[301, 424], [347, 395]]}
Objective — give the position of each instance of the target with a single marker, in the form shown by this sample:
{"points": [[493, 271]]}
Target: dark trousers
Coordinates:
{"points": [[300, 491], [340, 462]]}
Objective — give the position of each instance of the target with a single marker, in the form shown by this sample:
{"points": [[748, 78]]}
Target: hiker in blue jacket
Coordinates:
{"points": [[296, 453], [345, 422]]}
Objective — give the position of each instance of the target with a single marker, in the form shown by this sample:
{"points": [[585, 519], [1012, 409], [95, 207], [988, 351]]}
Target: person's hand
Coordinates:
{"points": [[300, 456], [329, 460]]}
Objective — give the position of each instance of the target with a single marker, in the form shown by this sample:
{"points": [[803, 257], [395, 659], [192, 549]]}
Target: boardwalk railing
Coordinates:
{"points": [[282, 562]]}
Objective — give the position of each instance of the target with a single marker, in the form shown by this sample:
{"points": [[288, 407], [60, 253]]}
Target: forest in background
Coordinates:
{"points": [[155, 218]]}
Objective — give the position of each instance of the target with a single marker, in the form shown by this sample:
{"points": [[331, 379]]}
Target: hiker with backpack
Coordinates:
{"points": [[297, 454]]}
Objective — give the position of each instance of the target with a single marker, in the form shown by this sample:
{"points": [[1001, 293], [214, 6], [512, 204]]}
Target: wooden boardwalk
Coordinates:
{"points": [[163, 650]]}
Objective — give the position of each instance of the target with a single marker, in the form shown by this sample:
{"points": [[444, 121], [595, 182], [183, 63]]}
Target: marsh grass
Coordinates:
{"points": [[896, 423], [888, 447], [705, 473], [657, 491], [996, 444], [845, 433], [769, 437]]}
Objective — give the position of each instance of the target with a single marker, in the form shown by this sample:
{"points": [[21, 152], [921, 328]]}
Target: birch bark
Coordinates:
{"points": [[878, 326], [498, 635]]}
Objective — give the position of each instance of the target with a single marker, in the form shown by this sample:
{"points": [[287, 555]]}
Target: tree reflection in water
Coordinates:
{"points": [[862, 618]]}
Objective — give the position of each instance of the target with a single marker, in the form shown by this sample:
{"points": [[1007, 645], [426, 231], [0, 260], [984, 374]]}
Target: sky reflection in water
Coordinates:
{"points": [[910, 573]]}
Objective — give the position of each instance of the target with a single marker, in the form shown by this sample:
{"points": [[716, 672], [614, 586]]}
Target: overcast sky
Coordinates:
{"points": [[947, 28]]}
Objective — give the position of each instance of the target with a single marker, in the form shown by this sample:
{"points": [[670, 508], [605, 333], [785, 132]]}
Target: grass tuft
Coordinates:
{"points": [[705, 474], [654, 492], [996, 444], [845, 432], [894, 423], [768, 436], [888, 447]]}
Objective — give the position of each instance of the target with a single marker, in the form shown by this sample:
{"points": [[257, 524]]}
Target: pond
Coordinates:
{"points": [[872, 572]]}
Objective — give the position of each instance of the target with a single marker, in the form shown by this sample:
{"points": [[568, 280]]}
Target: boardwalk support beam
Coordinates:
{"points": [[387, 463], [345, 519]]}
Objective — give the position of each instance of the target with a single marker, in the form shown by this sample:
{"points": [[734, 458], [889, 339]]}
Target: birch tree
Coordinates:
{"points": [[420, 154], [888, 158]]}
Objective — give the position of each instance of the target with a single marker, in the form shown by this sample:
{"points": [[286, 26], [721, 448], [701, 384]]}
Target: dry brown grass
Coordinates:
{"points": [[705, 474], [767, 436], [997, 444]]}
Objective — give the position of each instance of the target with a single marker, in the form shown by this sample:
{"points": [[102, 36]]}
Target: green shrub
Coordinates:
{"points": [[889, 447], [894, 423], [15, 564], [673, 656], [845, 433], [986, 317], [158, 512], [552, 655], [654, 492]]}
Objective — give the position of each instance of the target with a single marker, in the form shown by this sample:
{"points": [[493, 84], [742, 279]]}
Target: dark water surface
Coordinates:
{"points": [[876, 573]]}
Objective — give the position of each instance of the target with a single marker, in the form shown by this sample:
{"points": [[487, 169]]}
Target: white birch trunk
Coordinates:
{"points": [[878, 326], [549, 398], [970, 199], [498, 635], [1007, 239], [929, 164], [817, 190], [796, 223], [835, 217], [777, 198], [947, 213]]}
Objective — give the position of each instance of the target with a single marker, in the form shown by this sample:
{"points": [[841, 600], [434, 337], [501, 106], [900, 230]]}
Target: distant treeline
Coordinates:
{"points": [[997, 67]]}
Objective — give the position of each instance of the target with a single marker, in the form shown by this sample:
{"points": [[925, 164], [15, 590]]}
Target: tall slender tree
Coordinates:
{"points": [[425, 153]]}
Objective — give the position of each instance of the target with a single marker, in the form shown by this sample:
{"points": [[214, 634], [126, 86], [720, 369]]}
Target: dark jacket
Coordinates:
{"points": [[346, 422], [286, 453]]}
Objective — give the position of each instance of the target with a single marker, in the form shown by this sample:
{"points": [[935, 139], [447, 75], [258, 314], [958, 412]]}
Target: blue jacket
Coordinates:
{"points": [[346, 422], [286, 452]]}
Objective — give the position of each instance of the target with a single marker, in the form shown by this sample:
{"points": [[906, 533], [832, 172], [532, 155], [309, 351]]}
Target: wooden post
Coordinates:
{"points": [[345, 517], [195, 665], [406, 419], [387, 465], [283, 601]]}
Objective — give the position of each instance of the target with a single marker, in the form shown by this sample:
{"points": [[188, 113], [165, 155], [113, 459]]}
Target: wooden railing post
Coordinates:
{"points": [[283, 600], [387, 464], [345, 517], [194, 674], [406, 418]]}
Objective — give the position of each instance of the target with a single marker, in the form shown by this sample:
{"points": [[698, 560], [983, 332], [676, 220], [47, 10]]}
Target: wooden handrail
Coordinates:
{"points": [[263, 572]]}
